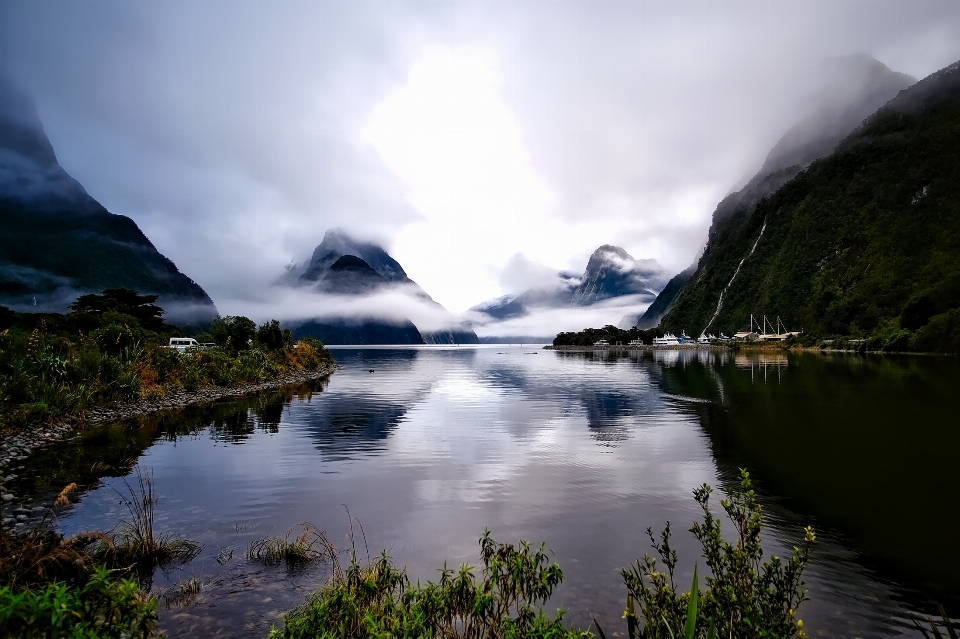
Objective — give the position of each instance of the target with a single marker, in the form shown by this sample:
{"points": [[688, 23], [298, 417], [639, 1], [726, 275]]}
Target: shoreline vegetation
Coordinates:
{"points": [[108, 358], [585, 340]]}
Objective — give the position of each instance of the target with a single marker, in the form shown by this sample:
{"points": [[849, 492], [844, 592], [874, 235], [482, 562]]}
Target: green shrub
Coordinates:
{"points": [[100, 608], [378, 600], [941, 334], [745, 598]]}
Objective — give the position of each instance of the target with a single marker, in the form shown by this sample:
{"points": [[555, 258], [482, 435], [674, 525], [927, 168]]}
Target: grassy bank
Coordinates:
{"points": [[111, 348]]}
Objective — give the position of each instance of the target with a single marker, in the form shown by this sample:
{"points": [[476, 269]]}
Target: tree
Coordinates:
{"points": [[124, 301], [272, 337], [233, 332]]}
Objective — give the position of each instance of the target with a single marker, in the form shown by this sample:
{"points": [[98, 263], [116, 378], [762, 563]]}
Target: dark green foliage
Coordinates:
{"points": [[271, 337], [378, 600], [52, 366], [100, 608], [233, 332], [745, 596], [941, 334], [122, 301], [863, 242], [589, 336]]}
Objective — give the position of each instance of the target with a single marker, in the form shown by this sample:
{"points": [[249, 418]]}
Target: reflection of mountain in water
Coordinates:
{"points": [[374, 390], [349, 426], [614, 403]]}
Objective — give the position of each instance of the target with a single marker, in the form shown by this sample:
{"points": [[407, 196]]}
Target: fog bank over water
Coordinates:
{"points": [[458, 135]]}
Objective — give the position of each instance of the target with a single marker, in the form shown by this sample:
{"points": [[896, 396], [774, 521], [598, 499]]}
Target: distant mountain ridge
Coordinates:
{"points": [[864, 242], [342, 265], [865, 85], [58, 242], [610, 272]]}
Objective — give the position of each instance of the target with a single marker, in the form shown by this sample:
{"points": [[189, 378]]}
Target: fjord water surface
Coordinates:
{"points": [[430, 446]]}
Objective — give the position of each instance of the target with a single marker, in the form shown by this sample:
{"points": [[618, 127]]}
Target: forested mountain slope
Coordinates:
{"points": [[57, 242], [865, 241]]}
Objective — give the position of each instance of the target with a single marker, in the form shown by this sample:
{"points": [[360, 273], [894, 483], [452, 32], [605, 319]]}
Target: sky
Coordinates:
{"points": [[466, 137]]}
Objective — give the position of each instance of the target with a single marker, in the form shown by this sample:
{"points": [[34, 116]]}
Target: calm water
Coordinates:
{"points": [[428, 447]]}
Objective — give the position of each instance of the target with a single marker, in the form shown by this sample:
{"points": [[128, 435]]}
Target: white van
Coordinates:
{"points": [[181, 344]]}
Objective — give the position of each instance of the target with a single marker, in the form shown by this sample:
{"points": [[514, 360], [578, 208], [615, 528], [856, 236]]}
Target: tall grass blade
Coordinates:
{"points": [[631, 618], [946, 620], [691, 627], [599, 629], [667, 626]]}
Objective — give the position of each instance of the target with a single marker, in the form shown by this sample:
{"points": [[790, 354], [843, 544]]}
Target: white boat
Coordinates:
{"points": [[602, 342], [706, 338], [635, 342], [668, 339]]}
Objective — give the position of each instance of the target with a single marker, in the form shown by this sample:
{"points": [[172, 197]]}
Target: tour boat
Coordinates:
{"points": [[668, 339], [602, 342]]}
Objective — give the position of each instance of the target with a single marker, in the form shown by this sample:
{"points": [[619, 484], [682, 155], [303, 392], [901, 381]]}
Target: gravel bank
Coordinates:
{"points": [[15, 448]]}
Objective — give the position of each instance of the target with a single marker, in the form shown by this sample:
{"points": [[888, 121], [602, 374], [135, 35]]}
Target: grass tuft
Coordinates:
{"points": [[302, 544]]}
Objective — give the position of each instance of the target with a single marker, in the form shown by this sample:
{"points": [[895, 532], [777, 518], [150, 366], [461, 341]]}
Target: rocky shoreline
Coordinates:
{"points": [[16, 447]]}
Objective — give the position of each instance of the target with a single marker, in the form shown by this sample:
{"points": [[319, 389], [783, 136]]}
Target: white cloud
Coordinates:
{"points": [[458, 134]]}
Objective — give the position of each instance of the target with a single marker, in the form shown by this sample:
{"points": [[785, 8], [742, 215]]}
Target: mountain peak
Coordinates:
{"points": [[852, 88], [612, 272], [29, 171], [60, 242], [336, 243]]}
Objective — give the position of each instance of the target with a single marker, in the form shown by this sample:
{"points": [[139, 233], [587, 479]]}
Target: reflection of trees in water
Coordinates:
{"points": [[111, 450], [861, 443], [260, 413]]}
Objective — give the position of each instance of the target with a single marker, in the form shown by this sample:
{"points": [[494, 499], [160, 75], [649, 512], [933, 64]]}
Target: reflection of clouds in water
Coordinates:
{"points": [[511, 428]]}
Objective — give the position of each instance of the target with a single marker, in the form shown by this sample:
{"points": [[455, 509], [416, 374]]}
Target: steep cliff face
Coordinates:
{"points": [[58, 242], [863, 241], [344, 266], [856, 87], [612, 272], [665, 300]]}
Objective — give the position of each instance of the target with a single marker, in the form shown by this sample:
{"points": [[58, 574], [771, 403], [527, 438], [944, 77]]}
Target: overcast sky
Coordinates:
{"points": [[458, 134]]}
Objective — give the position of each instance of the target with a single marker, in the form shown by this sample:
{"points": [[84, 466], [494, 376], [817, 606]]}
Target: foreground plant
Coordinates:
{"points": [[310, 545], [746, 598], [101, 607], [378, 600]]}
